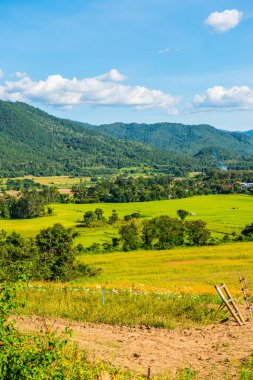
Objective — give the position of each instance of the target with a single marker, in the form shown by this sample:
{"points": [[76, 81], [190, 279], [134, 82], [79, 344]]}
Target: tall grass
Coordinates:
{"points": [[119, 307]]}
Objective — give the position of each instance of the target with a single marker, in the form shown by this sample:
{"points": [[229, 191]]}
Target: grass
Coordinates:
{"points": [[62, 182], [246, 370], [223, 214], [119, 307], [184, 270]]}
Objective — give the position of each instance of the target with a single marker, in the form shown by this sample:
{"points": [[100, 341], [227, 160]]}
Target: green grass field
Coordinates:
{"points": [[223, 214]]}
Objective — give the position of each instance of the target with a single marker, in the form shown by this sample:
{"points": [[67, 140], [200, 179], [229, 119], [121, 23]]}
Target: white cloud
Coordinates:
{"points": [[164, 51], [224, 21], [103, 90], [219, 97], [1, 73]]}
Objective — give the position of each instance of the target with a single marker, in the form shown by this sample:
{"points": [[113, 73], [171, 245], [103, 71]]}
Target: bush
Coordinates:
{"points": [[24, 357]]}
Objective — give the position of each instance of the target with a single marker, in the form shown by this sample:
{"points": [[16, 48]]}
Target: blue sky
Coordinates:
{"points": [[101, 61]]}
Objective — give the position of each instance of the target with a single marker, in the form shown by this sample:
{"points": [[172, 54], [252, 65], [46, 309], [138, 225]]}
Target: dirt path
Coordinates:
{"points": [[212, 350]]}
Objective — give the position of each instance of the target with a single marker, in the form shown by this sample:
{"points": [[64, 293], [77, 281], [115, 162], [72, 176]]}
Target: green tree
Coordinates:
{"points": [[247, 232], [114, 217], [182, 214], [99, 213], [170, 232], [130, 236], [31, 204], [197, 233], [88, 218], [150, 233], [56, 252]]}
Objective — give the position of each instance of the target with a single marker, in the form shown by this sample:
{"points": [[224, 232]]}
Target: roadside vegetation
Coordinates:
{"points": [[120, 307]]}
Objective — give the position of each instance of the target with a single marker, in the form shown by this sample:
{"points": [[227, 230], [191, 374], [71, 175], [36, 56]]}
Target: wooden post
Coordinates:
{"points": [[230, 303], [103, 297]]}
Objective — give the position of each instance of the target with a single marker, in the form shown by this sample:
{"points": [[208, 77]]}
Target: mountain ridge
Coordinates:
{"points": [[176, 136], [34, 142]]}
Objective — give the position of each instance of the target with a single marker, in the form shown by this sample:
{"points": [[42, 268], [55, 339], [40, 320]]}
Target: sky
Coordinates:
{"points": [[145, 61]]}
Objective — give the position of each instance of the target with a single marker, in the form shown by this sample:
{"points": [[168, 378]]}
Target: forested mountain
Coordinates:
{"points": [[33, 142], [188, 139], [249, 133]]}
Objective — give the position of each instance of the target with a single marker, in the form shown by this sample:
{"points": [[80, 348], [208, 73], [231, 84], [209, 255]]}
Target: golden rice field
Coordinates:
{"points": [[58, 181], [188, 270]]}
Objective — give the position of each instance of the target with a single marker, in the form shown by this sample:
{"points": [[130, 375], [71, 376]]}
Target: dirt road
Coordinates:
{"points": [[212, 350]]}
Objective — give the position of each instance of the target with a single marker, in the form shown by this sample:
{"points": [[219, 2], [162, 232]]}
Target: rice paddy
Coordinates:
{"points": [[223, 214]]}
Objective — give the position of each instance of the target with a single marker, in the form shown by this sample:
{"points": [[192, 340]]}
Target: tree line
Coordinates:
{"points": [[161, 187]]}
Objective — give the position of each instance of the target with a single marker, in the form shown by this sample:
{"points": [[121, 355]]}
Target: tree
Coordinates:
{"points": [[182, 214], [197, 233], [150, 233], [56, 252], [130, 235], [170, 232], [89, 217], [99, 213], [114, 217], [247, 232], [31, 204]]}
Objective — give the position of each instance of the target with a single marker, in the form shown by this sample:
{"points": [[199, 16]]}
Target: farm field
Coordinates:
{"points": [[183, 270], [62, 182], [223, 214]]}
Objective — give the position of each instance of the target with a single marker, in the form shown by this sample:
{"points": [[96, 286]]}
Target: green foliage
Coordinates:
{"points": [[88, 218], [30, 205], [26, 357], [50, 256], [28, 146], [56, 252], [197, 233], [99, 213], [22, 184], [123, 189], [182, 214], [130, 236], [246, 370], [162, 232], [247, 232], [187, 374], [114, 217], [196, 140]]}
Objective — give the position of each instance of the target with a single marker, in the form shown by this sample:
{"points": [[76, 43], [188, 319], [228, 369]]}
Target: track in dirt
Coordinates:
{"points": [[212, 350]]}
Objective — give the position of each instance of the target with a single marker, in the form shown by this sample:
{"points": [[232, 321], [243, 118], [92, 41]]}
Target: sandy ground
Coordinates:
{"points": [[212, 350]]}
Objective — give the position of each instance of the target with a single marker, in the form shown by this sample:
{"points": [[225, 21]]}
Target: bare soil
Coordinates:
{"points": [[212, 350]]}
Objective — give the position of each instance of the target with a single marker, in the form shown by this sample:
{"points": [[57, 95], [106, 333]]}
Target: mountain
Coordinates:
{"points": [[249, 133], [193, 140], [34, 142]]}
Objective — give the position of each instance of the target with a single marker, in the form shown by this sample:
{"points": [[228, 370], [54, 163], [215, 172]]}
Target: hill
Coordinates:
{"points": [[34, 142], [249, 133], [196, 140]]}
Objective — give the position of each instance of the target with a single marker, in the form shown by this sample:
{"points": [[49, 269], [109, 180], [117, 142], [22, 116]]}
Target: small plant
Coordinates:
{"points": [[24, 357], [246, 371]]}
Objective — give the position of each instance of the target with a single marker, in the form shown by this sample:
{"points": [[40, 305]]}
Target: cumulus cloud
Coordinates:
{"points": [[218, 97], [1, 73], [103, 90], [224, 21]]}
